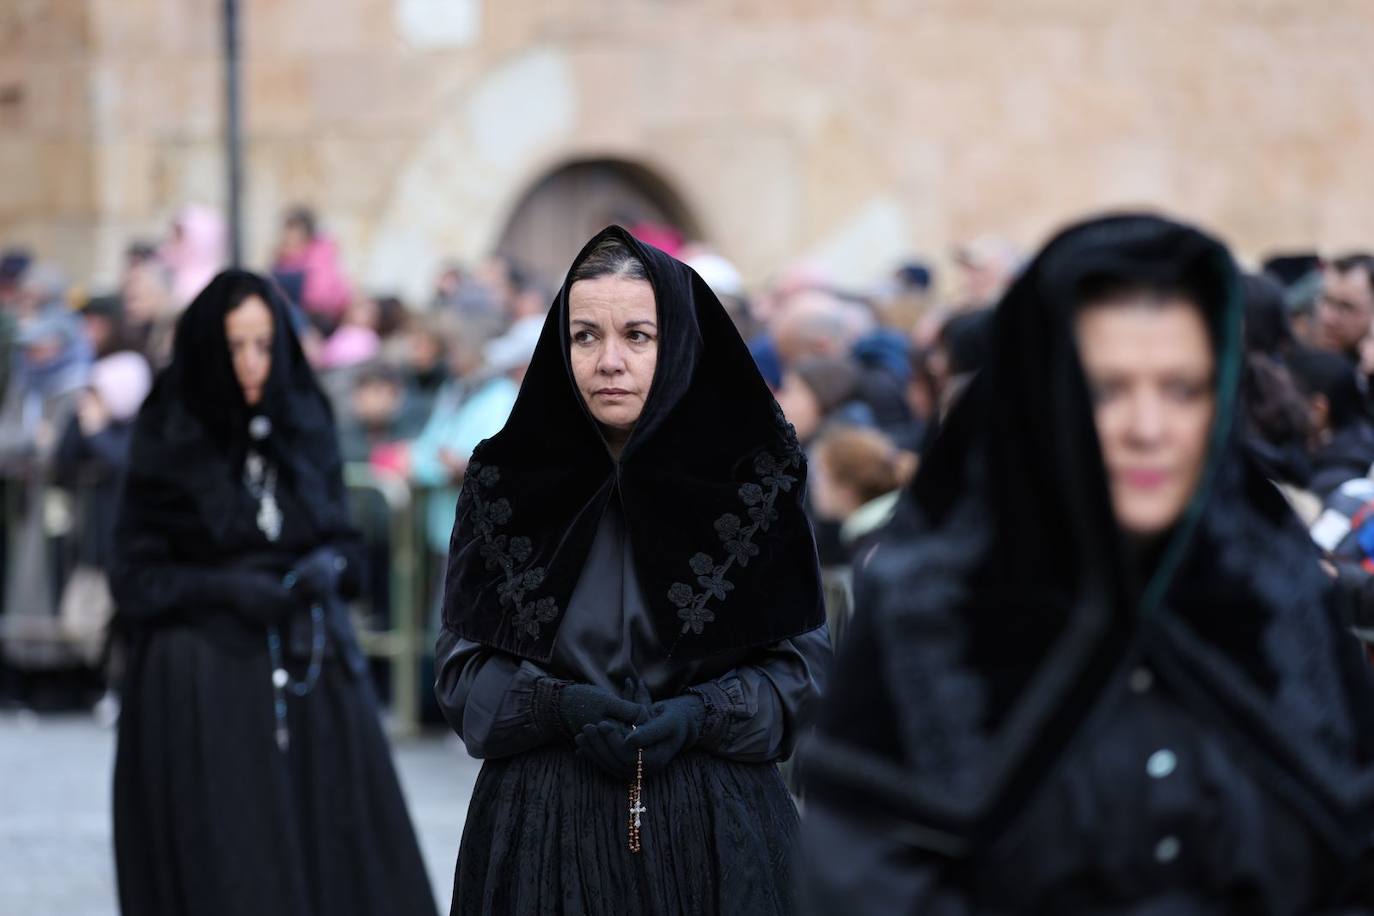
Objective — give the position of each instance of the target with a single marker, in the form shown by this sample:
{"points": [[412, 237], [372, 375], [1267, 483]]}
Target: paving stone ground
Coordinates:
{"points": [[55, 849]]}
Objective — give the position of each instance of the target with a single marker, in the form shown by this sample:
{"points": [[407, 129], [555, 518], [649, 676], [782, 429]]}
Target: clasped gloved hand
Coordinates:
{"points": [[673, 727], [601, 738], [316, 576], [580, 705]]}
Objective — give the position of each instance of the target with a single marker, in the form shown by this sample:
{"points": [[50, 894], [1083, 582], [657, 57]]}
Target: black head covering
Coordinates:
{"points": [[192, 433], [711, 483], [1004, 599]]}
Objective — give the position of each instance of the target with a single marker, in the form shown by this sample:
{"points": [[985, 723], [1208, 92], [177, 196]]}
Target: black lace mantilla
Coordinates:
{"points": [[507, 554], [737, 537]]}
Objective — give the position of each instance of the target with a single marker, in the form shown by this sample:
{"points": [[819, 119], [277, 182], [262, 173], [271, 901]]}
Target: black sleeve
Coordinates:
{"points": [[148, 578], [498, 704], [148, 583], [753, 712]]}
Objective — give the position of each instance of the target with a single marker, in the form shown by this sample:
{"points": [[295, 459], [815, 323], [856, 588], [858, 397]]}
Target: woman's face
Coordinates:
{"points": [[613, 324], [248, 328], [1150, 369]]}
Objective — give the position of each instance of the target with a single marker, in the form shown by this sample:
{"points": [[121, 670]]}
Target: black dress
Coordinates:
{"points": [[684, 567], [1027, 718], [720, 825], [212, 815]]}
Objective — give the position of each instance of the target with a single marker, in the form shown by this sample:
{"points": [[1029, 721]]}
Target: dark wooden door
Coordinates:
{"points": [[568, 206]]}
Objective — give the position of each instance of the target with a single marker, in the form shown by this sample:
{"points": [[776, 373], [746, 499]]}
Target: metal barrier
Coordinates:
{"points": [[43, 626], [390, 513], [400, 643]]}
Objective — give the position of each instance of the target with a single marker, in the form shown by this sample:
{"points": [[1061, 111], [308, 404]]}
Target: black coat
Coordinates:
{"points": [[1026, 718], [211, 816]]}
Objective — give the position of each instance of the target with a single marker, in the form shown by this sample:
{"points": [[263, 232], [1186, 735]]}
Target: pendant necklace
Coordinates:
{"points": [[261, 480]]}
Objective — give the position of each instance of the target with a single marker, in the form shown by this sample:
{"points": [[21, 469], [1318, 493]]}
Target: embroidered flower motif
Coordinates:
{"points": [[695, 619], [741, 550], [702, 564], [494, 553], [736, 538], [500, 552], [531, 615], [499, 512], [715, 586], [763, 516]]}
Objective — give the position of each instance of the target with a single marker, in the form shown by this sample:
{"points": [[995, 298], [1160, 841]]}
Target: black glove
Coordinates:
{"points": [[580, 705], [316, 576], [673, 727], [604, 745], [257, 596]]}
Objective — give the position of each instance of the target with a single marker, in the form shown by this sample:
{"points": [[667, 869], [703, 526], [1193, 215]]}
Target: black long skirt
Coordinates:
{"points": [[212, 819], [547, 834]]}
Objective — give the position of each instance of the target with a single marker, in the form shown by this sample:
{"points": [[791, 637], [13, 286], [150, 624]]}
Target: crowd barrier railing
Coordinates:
{"points": [[399, 640], [388, 511]]}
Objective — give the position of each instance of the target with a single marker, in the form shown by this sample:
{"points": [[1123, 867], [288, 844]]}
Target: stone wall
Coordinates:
{"points": [[852, 132]]}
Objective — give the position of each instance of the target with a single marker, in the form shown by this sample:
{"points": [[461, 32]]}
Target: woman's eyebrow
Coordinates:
{"points": [[641, 322]]}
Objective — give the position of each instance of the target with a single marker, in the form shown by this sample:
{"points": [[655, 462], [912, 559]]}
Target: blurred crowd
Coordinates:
{"points": [[864, 374]]}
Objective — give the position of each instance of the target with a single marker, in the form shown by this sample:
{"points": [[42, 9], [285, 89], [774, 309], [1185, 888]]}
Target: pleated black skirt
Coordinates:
{"points": [[547, 834], [212, 819]]}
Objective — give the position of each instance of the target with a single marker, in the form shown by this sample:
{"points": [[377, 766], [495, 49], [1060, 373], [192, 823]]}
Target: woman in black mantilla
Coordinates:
{"points": [[252, 776], [633, 621], [1096, 667]]}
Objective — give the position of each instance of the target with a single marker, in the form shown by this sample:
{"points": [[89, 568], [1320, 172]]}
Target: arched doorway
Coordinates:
{"points": [[570, 204]]}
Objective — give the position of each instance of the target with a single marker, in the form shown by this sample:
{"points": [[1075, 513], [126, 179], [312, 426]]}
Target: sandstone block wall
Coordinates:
{"points": [[851, 132]]}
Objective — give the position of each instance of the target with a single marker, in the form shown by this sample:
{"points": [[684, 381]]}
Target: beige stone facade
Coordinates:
{"points": [[850, 132]]}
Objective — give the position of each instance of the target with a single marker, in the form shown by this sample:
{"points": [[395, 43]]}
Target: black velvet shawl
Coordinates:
{"points": [[1006, 606], [711, 482], [191, 435]]}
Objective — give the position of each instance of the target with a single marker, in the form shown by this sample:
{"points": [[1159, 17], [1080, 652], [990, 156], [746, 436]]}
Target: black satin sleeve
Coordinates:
{"points": [[498, 704], [754, 712]]}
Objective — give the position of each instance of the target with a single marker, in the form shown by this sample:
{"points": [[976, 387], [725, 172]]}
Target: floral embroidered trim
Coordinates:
{"points": [[736, 537], [506, 553]]}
